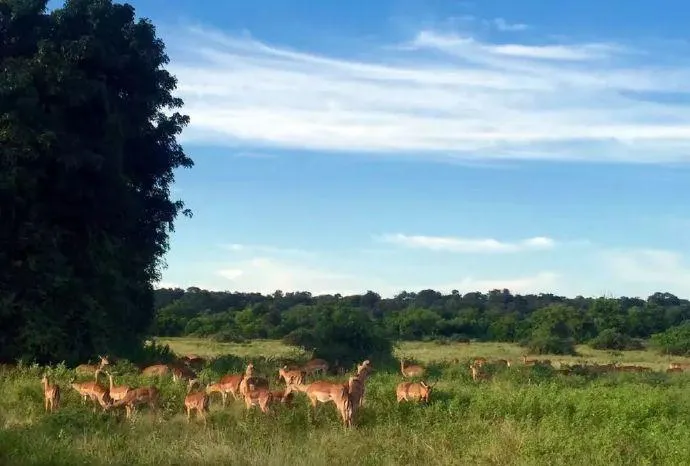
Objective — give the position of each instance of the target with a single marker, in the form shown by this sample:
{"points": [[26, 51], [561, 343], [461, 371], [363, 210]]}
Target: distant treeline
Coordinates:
{"points": [[545, 322]]}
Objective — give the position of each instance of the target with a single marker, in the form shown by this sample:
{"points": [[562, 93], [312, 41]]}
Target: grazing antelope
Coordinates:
{"points": [[51, 394], [315, 366], [182, 373], [413, 370], [291, 377], [98, 393], [413, 391], [83, 369], [283, 396], [196, 401], [261, 397], [156, 370], [138, 396], [116, 392], [322, 391]]}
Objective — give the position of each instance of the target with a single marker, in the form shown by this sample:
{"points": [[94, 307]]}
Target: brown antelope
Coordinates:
{"points": [[479, 362], [261, 397], [193, 360], [291, 377], [283, 396], [83, 369], [116, 392], [678, 365], [503, 362], [51, 394], [355, 387], [633, 369], [196, 401], [315, 366], [477, 373], [364, 369], [156, 370], [252, 383], [535, 362], [413, 391], [138, 396], [230, 384], [413, 370], [672, 370], [322, 391], [98, 393], [182, 373]]}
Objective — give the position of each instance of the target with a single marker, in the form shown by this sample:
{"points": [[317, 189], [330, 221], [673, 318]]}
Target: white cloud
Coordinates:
{"points": [[503, 25], [439, 96], [543, 282], [650, 270], [468, 245], [266, 275], [262, 248]]}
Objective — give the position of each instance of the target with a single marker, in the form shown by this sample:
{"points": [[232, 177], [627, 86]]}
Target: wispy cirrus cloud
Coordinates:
{"points": [[467, 245], [650, 270], [503, 25], [437, 95], [263, 248]]}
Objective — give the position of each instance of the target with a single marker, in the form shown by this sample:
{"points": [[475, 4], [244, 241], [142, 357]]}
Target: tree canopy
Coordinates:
{"points": [[88, 127], [543, 322]]}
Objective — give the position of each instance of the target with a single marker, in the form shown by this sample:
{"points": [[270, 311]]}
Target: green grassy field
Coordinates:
{"points": [[522, 416]]}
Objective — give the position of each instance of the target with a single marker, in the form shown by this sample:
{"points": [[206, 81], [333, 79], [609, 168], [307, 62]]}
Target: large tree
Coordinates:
{"points": [[87, 153]]}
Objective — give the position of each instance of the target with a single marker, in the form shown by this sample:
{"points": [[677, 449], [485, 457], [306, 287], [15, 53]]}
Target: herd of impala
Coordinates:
{"points": [[254, 389]]}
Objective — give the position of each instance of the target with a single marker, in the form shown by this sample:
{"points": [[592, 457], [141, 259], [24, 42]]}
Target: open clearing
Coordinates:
{"points": [[520, 416]]}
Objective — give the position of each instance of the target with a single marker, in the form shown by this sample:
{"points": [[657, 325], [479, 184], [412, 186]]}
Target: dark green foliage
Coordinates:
{"points": [[675, 340], [613, 340], [549, 322], [87, 159], [339, 334]]}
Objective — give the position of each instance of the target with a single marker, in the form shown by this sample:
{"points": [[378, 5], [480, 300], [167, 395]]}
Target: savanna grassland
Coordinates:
{"points": [[523, 415]]}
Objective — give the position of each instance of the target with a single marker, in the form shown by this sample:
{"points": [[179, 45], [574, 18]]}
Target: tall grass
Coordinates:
{"points": [[522, 416]]}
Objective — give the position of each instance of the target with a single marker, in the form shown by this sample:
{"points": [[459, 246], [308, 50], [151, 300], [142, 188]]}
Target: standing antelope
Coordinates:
{"points": [[98, 393], [116, 392], [413, 370], [355, 387], [51, 394], [230, 384], [291, 377], [196, 401], [413, 391], [477, 373], [92, 368], [261, 397], [322, 392], [315, 366], [156, 370]]}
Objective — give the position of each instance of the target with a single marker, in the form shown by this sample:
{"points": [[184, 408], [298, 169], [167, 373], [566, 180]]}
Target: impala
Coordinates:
{"points": [[230, 384], [322, 391], [315, 366], [98, 393], [413, 370], [139, 396], [355, 387], [252, 383], [291, 377], [116, 392], [477, 373], [181, 373], [92, 368], [51, 394], [196, 401], [364, 369], [260, 397], [413, 391], [156, 370]]}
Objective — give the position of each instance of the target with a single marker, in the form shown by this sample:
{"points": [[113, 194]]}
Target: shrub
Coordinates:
{"points": [[675, 340], [342, 334], [613, 340]]}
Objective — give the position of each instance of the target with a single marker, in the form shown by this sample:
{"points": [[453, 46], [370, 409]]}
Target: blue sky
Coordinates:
{"points": [[406, 144]]}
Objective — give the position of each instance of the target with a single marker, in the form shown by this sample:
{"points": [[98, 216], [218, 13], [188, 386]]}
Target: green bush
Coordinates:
{"points": [[675, 340], [613, 340]]}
